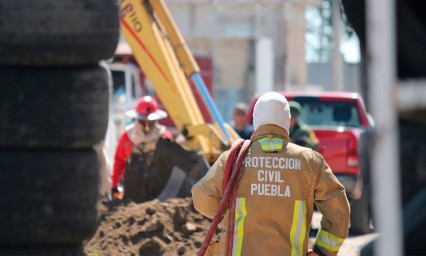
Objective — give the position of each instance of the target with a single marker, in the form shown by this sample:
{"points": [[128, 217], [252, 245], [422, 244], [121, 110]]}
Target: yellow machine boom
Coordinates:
{"points": [[163, 55]]}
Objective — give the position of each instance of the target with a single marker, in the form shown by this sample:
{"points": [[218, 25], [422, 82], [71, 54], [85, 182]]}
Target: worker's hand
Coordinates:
{"points": [[116, 194], [311, 253]]}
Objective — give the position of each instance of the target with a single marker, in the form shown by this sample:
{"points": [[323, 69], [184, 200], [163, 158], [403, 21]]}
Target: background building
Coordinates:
{"points": [[256, 46]]}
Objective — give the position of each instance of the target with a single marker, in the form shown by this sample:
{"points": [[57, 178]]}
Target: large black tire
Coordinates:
{"points": [[360, 215], [51, 32], [412, 149], [44, 250], [48, 197], [361, 212], [53, 107], [410, 34]]}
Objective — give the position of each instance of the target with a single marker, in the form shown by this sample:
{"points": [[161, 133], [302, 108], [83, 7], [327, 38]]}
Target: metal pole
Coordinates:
{"points": [[337, 60], [385, 164]]}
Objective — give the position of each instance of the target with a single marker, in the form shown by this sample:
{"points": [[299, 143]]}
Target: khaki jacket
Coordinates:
{"points": [[276, 191]]}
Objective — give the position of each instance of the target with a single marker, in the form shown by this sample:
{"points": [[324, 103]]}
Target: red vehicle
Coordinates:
{"points": [[338, 120]]}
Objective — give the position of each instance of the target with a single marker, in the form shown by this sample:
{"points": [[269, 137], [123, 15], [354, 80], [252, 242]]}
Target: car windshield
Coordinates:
{"points": [[328, 113]]}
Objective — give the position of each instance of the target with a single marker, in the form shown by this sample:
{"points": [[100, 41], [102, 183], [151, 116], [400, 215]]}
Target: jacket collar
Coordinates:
{"points": [[268, 130]]}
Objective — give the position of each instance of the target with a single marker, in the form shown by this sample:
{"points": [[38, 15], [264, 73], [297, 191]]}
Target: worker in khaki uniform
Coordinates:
{"points": [[300, 133], [276, 191]]}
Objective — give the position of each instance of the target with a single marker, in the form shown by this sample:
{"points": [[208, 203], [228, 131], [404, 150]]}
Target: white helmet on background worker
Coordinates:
{"points": [[272, 108]]}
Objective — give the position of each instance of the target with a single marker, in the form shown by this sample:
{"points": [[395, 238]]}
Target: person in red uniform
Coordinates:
{"points": [[145, 128]]}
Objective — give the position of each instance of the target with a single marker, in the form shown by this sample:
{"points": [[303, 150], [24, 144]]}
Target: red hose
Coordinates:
{"points": [[235, 148], [229, 194], [231, 221], [233, 153], [231, 204]]}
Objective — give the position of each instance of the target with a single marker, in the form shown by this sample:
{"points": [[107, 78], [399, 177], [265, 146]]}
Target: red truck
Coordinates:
{"points": [[339, 120]]}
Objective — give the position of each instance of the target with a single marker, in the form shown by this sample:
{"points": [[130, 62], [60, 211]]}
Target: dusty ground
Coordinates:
{"points": [[169, 228], [152, 228]]}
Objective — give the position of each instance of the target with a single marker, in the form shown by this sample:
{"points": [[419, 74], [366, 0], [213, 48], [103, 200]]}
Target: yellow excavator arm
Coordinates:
{"points": [[165, 59]]}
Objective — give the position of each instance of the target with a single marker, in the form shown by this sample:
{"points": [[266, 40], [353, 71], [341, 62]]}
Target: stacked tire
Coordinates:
{"points": [[54, 107]]}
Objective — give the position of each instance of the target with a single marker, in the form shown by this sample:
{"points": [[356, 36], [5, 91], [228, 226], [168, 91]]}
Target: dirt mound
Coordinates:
{"points": [[172, 227]]}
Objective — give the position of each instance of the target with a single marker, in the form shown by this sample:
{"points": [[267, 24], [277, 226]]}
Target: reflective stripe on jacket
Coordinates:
{"points": [[276, 191]]}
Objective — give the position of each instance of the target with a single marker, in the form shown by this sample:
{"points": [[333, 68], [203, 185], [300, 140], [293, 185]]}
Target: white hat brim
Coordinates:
{"points": [[157, 115]]}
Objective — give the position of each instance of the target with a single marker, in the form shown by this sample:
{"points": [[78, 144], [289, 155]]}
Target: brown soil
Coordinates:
{"points": [[172, 227]]}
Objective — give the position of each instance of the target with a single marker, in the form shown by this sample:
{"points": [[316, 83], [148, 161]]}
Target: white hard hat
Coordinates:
{"points": [[272, 108]]}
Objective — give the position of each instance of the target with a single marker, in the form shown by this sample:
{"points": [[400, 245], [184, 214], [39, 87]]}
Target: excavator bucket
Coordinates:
{"points": [[166, 172]]}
